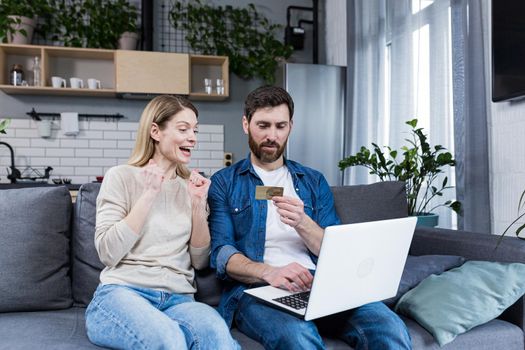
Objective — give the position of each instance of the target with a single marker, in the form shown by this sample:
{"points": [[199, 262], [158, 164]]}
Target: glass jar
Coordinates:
{"points": [[16, 75]]}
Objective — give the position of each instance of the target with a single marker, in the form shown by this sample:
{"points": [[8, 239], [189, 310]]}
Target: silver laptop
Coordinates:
{"points": [[358, 264]]}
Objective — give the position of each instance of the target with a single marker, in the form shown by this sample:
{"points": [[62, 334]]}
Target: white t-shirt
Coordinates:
{"points": [[283, 244]]}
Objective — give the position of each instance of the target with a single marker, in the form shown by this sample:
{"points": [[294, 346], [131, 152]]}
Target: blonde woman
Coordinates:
{"points": [[151, 232]]}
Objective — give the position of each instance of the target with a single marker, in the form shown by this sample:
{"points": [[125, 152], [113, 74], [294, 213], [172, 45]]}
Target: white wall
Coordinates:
{"points": [[507, 155], [99, 146]]}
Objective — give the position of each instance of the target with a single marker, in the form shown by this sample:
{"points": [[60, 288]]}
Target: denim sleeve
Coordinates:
{"points": [[327, 215], [221, 226]]}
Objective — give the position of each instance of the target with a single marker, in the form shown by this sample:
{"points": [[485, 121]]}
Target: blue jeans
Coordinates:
{"points": [[371, 326], [125, 317]]}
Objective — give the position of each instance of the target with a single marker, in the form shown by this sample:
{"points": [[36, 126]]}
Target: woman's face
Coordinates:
{"points": [[178, 138]]}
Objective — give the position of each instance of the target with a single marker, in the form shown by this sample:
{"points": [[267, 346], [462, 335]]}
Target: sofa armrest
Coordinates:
{"points": [[474, 246]]}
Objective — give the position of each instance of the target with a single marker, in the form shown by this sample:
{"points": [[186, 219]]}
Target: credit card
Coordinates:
{"points": [[267, 192]]}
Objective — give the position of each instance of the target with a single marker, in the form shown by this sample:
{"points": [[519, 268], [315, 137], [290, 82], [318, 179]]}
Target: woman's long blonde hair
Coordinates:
{"points": [[160, 110]]}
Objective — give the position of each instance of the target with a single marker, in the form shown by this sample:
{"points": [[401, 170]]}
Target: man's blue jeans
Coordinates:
{"points": [[369, 327], [125, 317]]}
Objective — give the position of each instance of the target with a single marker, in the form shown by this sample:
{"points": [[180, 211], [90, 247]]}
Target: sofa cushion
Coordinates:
{"points": [[417, 268], [34, 249], [462, 298], [86, 263], [45, 330], [378, 201]]}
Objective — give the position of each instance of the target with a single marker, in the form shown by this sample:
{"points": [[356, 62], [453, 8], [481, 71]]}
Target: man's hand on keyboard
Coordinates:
{"points": [[293, 277]]}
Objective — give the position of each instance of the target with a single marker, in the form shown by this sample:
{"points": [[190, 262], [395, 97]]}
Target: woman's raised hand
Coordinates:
{"points": [[152, 176], [198, 186]]}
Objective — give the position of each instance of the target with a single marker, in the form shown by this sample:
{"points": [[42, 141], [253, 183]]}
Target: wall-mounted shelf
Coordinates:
{"points": [[211, 67], [119, 71]]}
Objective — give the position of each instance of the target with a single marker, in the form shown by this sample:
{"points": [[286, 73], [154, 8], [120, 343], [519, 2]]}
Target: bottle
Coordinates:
{"points": [[16, 75], [36, 71]]}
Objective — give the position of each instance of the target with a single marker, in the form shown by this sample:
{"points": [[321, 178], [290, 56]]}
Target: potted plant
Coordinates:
{"points": [[419, 168], [18, 19], [92, 23], [243, 34]]}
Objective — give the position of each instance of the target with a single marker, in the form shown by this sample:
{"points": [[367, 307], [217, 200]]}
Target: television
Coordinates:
{"points": [[508, 50]]}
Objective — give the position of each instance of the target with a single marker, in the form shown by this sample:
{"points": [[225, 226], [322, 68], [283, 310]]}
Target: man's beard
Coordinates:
{"points": [[265, 157]]}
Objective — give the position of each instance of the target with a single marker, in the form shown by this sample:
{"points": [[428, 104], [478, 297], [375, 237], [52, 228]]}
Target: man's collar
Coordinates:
{"points": [[293, 167]]}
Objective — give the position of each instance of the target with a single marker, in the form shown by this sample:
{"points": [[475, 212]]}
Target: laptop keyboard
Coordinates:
{"points": [[297, 301]]}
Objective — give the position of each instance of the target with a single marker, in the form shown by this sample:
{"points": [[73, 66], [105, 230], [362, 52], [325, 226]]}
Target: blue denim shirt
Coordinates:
{"points": [[238, 221]]}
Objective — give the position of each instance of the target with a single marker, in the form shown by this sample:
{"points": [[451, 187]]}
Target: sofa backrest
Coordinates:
{"points": [[34, 249], [378, 201], [86, 265]]}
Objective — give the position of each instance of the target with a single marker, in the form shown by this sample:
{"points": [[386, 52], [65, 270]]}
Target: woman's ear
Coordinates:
{"points": [[155, 132]]}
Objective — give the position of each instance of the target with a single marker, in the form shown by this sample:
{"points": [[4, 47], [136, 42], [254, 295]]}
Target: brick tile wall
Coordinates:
{"points": [[99, 146]]}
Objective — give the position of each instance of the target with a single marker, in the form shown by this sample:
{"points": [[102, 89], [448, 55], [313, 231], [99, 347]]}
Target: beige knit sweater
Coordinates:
{"points": [[160, 256]]}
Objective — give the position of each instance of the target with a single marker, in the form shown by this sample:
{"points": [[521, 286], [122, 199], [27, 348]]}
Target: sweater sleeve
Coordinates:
{"points": [[200, 257], [113, 237]]}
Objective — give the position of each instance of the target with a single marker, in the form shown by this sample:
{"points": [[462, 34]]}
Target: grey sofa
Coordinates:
{"points": [[49, 267]]}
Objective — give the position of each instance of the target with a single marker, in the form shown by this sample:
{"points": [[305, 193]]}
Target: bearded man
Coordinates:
{"points": [[277, 241]]}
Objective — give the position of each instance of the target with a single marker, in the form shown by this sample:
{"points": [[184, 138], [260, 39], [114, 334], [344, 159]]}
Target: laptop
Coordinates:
{"points": [[358, 264]]}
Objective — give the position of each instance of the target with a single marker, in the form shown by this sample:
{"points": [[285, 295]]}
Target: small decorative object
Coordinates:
{"points": [[36, 71], [16, 75], [419, 169], [128, 41]]}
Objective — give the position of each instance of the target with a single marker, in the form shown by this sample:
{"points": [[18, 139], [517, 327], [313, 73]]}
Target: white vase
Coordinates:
{"points": [[27, 24], [128, 41]]}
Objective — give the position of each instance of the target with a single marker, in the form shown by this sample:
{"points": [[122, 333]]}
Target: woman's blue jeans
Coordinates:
{"points": [[125, 317], [369, 327]]}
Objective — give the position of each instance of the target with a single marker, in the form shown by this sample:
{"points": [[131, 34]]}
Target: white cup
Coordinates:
{"points": [[94, 84], [76, 83], [58, 82]]}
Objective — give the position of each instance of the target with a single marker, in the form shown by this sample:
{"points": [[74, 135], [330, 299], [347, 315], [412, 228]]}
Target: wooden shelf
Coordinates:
{"points": [[211, 67], [47, 90], [119, 71]]}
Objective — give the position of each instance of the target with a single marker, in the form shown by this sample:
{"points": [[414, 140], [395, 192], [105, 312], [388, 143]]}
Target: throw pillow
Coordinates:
{"points": [[417, 268], [462, 298], [34, 249]]}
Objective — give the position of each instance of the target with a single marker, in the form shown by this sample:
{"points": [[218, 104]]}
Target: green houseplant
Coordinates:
{"points": [[18, 19], [92, 23], [419, 167], [243, 34]]}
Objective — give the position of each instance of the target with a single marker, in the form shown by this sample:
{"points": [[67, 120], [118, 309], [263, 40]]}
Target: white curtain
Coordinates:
{"points": [[400, 68]]}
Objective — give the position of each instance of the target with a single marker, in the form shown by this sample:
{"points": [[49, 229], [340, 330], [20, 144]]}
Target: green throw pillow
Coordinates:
{"points": [[462, 298]]}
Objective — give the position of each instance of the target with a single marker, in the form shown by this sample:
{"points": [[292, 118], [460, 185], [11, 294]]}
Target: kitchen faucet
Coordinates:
{"points": [[15, 173]]}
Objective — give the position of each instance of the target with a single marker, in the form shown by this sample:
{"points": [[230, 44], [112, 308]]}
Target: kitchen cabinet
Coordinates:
{"points": [[152, 72], [119, 71]]}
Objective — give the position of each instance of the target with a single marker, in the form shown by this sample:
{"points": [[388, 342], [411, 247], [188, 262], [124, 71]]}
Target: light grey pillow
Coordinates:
{"points": [[34, 249]]}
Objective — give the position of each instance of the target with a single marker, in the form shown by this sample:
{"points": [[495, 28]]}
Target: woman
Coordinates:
{"points": [[151, 231]]}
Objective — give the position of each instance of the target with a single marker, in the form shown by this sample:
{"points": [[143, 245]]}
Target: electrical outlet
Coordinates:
{"points": [[228, 159]]}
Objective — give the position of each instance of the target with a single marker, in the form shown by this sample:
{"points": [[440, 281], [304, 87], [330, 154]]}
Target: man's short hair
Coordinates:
{"points": [[267, 96]]}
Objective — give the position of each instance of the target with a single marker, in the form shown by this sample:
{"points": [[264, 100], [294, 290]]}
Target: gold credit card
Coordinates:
{"points": [[267, 192]]}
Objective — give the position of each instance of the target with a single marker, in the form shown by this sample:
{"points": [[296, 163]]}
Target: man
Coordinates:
{"points": [[277, 241]]}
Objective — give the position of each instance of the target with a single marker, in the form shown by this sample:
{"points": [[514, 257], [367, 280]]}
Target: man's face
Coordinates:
{"points": [[268, 132]]}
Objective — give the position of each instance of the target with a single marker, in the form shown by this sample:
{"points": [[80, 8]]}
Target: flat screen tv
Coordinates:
{"points": [[508, 49]]}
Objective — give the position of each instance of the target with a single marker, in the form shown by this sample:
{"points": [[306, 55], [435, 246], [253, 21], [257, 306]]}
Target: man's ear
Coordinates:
{"points": [[245, 124], [155, 132]]}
